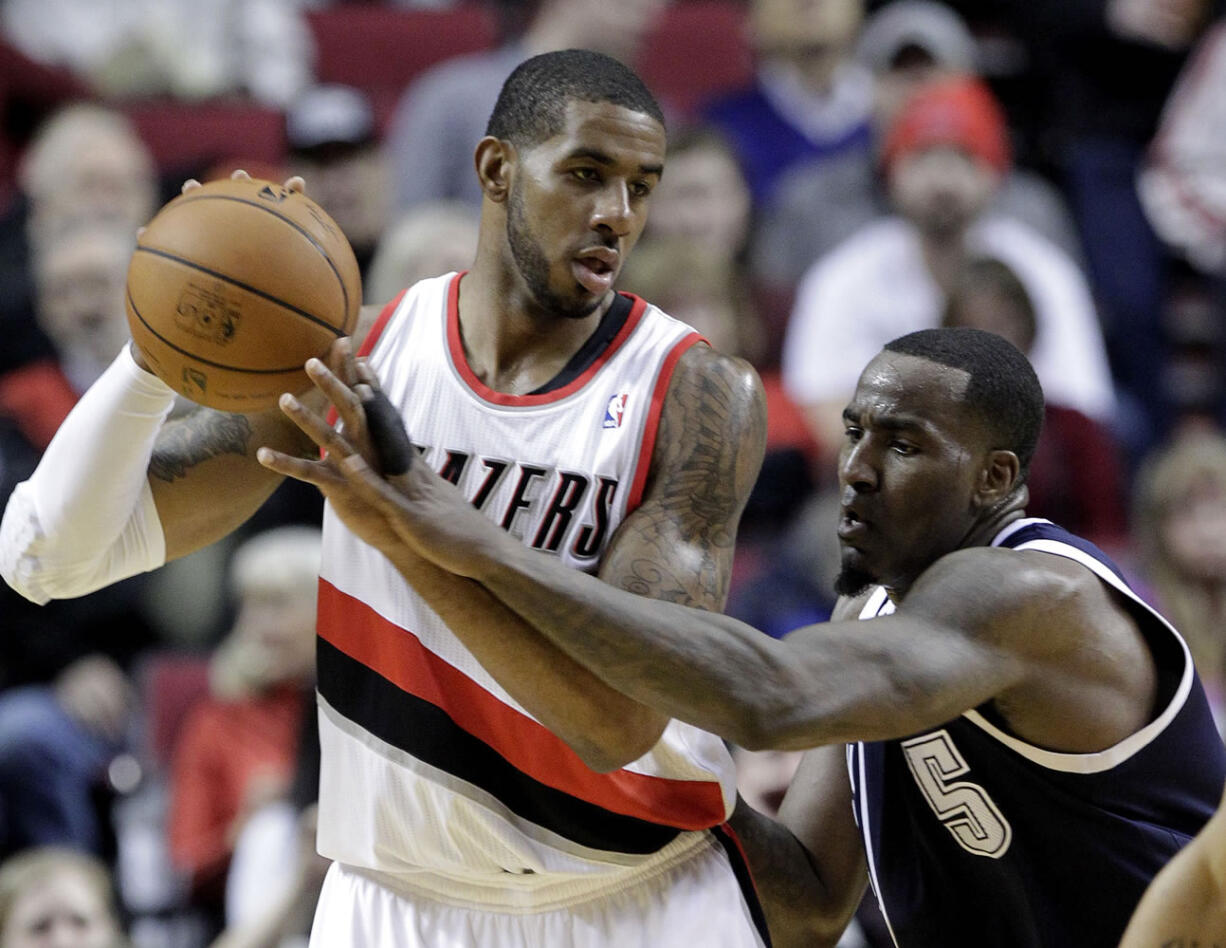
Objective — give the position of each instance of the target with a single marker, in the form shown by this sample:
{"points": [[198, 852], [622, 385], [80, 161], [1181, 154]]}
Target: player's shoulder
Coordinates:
{"points": [[716, 385], [374, 316], [712, 426], [1006, 583]]}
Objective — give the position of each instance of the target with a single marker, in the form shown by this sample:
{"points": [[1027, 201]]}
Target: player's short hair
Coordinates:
{"points": [[1003, 392], [532, 104]]}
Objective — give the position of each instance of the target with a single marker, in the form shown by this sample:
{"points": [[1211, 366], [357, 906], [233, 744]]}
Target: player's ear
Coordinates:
{"points": [[997, 478], [495, 160]]}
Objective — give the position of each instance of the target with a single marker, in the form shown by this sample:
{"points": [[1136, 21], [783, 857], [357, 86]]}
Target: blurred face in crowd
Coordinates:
{"points": [[615, 27], [941, 188], [60, 910], [79, 279], [90, 163], [1194, 531], [278, 627], [703, 199], [984, 307], [798, 28], [350, 183]]}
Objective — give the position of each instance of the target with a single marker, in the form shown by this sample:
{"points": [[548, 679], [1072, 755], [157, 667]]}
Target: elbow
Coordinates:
{"points": [[619, 745], [754, 732], [761, 724]]}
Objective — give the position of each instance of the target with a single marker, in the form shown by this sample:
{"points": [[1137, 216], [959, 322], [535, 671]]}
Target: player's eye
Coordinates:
{"points": [[640, 189], [905, 448], [585, 174]]}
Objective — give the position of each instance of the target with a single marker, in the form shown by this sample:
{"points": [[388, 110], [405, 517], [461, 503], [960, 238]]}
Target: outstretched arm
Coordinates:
{"points": [[677, 545], [1186, 902], [832, 682]]}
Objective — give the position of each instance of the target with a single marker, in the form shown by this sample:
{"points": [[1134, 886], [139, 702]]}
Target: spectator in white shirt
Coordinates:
{"points": [[944, 155]]}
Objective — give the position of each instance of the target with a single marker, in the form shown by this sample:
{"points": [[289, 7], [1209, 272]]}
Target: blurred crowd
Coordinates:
{"points": [[840, 172]]}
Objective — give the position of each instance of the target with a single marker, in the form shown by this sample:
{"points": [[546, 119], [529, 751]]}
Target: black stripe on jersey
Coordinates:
{"points": [[426, 732], [740, 869]]}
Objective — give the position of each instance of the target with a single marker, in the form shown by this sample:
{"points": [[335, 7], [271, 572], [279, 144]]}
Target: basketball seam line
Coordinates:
{"points": [[191, 198], [191, 355], [244, 286]]}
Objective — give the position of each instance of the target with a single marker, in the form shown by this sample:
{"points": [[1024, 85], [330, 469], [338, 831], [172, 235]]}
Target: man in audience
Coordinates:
{"points": [[944, 158]]}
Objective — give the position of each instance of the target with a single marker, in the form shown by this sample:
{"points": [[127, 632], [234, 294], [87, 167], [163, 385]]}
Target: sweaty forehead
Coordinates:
{"points": [[911, 385]]}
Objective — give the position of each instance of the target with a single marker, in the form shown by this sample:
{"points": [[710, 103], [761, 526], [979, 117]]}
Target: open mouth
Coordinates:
{"points": [[851, 526], [595, 269]]}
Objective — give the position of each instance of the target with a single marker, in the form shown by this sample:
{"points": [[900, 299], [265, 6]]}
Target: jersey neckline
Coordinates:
{"points": [[581, 375]]}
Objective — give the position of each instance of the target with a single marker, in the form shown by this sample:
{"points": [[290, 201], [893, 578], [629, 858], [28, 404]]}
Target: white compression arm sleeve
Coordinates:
{"points": [[86, 517]]}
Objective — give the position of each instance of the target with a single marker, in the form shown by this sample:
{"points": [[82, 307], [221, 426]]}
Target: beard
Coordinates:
{"points": [[852, 581], [533, 265]]}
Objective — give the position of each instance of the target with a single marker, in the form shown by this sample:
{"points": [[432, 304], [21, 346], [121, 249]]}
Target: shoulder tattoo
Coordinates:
{"points": [[710, 442]]}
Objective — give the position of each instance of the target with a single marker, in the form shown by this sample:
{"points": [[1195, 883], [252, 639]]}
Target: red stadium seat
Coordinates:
{"points": [[192, 137], [697, 50], [380, 49]]}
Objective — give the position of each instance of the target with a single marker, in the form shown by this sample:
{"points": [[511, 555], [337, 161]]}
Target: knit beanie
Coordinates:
{"points": [[959, 111]]}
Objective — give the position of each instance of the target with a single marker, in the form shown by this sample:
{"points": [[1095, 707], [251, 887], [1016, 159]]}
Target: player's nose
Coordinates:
{"points": [[856, 469], [612, 209]]}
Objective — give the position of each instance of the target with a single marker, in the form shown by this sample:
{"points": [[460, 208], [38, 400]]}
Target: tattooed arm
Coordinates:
{"points": [[678, 545], [119, 491], [204, 476]]}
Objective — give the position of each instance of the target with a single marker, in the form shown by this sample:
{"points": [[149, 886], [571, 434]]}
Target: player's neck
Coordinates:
{"points": [[513, 345]]}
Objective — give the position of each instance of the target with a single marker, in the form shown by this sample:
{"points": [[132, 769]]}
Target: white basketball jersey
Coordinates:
{"points": [[429, 766]]}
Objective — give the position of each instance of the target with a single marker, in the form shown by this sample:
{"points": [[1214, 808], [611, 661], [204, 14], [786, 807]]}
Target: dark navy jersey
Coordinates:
{"points": [[975, 837]]}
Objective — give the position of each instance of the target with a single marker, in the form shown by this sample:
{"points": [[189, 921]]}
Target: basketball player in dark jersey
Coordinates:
{"points": [[1010, 745], [1185, 907]]}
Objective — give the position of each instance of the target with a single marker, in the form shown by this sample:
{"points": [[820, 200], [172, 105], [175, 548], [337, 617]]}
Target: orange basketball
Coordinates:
{"points": [[233, 286]]}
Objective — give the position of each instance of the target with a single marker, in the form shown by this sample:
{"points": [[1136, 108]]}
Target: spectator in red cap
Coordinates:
{"points": [[959, 111], [944, 158]]}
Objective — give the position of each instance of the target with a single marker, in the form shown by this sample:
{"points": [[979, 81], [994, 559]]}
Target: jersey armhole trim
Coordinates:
{"points": [[368, 344], [1103, 760], [652, 424]]}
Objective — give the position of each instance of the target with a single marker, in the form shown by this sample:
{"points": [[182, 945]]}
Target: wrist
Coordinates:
{"points": [[140, 377]]}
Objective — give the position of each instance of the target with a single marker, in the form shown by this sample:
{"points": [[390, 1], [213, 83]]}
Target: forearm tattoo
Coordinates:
{"points": [[199, 436]]}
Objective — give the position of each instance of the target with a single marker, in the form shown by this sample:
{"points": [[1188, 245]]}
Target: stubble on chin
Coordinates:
{"points": [[852, 581]]}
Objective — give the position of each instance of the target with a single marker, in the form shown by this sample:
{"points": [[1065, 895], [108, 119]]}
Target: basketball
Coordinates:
{"points": [[233, 286]]}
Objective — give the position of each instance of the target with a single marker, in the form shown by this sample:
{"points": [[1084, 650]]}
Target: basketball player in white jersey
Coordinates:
{"points": [[1027, 741], [478, 786]]}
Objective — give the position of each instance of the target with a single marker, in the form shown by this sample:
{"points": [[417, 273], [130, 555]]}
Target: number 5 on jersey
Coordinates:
{"points": [[964, 808]]}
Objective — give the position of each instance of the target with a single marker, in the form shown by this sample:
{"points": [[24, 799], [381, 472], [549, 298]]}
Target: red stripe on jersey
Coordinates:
{"points": [[398, 656], [376, 330], [455, 346], [643, 464]]}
